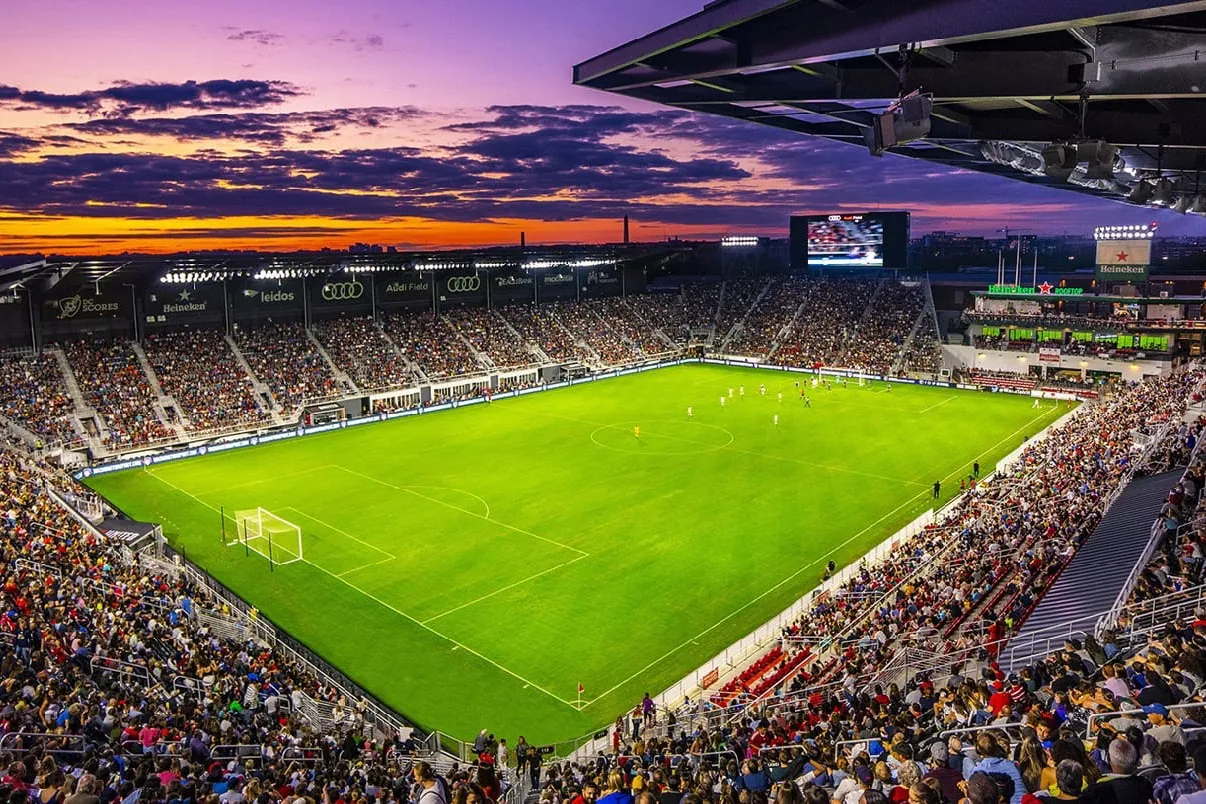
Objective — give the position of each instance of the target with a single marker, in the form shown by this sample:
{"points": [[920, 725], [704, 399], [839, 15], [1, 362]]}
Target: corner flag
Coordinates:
{"points": [[581, 689]]}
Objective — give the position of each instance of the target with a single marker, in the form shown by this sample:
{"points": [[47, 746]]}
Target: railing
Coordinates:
{"points": [[1110, 618], [977, 729], [1094, 717], [136, 672], [1154, 613], [74, 744]]}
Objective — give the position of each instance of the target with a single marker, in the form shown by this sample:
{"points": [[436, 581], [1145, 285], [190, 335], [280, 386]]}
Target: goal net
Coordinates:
{"points": [[276, 539]]}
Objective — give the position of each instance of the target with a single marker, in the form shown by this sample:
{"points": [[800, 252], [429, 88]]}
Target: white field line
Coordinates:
{"points": [[365, 566], [273, 479], [444, 637], [404, 615], [749, 603], [339, 530], [520, 582], [938, 404], [407, 490]]}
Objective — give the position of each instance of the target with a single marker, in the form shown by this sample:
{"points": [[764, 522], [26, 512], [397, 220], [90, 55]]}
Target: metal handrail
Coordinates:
{"points": [[15, 736], [1095, 716]]}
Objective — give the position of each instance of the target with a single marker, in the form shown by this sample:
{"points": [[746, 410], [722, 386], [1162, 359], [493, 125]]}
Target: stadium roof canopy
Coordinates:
{"points": [[1008, 80], [40, 273]]}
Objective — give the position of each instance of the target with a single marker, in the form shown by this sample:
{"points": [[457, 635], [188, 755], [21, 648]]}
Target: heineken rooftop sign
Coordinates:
{"points": [[1045, 289]]}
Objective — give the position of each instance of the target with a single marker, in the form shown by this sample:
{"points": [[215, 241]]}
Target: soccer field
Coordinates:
{"points": [[471, 567]]}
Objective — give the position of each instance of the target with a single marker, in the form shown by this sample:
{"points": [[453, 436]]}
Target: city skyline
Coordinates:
{"points": [[285, 126]]}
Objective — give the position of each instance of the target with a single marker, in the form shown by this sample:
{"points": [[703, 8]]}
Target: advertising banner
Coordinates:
{"points": [[599, 282], [184, 304], [85, 310], [282, 298], [557, 284], [461, 288], [410, 290], [1123, 260], [1048, 354], [343, 292], [507, 288]]}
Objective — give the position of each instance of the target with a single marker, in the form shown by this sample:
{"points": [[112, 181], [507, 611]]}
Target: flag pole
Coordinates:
{"points": [[1017, 271], [1035, 282]]}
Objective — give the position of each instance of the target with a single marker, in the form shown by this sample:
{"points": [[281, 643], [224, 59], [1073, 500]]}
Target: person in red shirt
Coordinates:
{"points": [[999, 699]]}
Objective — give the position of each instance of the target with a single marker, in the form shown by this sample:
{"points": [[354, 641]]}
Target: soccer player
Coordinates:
{"points": [[1036, 402], [976, 468], [636, 431], [690, 412], [815, 382], [730, 392], [762, 389], [937, 488], [776, 420], [722, 400], [741, 391], [780, 397], [807, 402]]}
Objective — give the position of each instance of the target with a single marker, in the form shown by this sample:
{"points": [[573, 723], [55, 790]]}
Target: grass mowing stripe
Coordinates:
{"points": [[387, 484], [508, 587], [765, 592], [340, 531], [459, 645]]}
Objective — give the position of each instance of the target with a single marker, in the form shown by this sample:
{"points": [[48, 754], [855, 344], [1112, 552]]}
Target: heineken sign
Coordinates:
{"points": [[1123, 260], [1045, 289]]}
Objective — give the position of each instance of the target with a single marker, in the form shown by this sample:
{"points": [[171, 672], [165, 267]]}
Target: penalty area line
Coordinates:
{"points": [[505, 588], [486, 518], [456, 645]]}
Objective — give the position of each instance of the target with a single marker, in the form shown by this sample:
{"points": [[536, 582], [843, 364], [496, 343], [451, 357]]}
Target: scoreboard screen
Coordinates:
{"points": [[850, 241]]}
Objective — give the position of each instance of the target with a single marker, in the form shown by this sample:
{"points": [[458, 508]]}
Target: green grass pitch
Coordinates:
{"points": [[471, 567]]}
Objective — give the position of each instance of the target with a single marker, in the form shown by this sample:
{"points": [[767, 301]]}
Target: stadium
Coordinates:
{"points": [[679, 522]]}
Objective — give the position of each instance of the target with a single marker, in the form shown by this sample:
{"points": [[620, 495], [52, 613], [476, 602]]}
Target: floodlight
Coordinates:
{"points": [[1163, 194], [1141, 193], [1059, 160]]}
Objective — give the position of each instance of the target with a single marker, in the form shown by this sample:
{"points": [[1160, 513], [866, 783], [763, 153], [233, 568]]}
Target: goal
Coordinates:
{"points": [[276, 539]]}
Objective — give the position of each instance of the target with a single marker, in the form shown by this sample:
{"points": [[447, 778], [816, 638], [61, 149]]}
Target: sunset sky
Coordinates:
{"points": [[146, 125]]}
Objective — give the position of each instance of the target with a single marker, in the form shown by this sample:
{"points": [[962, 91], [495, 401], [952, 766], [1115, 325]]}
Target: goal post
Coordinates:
{"points": [[274, 537]]}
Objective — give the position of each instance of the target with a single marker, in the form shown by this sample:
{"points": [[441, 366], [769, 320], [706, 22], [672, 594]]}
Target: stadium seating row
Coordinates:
{"points": [[196, 382], [97, 643]]}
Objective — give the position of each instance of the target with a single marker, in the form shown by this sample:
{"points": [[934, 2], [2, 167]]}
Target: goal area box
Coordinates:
{"points": [[274, 537]]}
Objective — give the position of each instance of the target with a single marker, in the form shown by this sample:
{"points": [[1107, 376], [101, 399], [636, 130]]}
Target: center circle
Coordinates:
{"points": [[662, 437]]}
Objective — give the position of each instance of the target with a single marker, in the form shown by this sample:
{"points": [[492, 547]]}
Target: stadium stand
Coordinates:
{"points": [[88, 626], [585, 325], [694, 307], [431, 345], [359, 347], [767, 320], [36, 396], [282, 356], [491, 336], [114, 383], [885, 324], [541, 325], [821, 330], [198, 369], [638, 333]]}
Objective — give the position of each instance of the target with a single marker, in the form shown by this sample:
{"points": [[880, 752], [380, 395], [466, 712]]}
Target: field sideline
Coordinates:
{"points": [[472, 567]]}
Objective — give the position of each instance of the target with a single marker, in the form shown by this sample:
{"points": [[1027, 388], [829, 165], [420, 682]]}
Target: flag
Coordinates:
{"points": [[581, 689]]}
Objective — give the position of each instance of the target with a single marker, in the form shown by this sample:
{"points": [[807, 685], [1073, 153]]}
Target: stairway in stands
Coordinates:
{"points": [[1092, 581]]}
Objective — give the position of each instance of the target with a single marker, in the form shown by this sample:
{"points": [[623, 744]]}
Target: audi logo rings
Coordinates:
{"points": [[464, 284], [342, 291]]}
